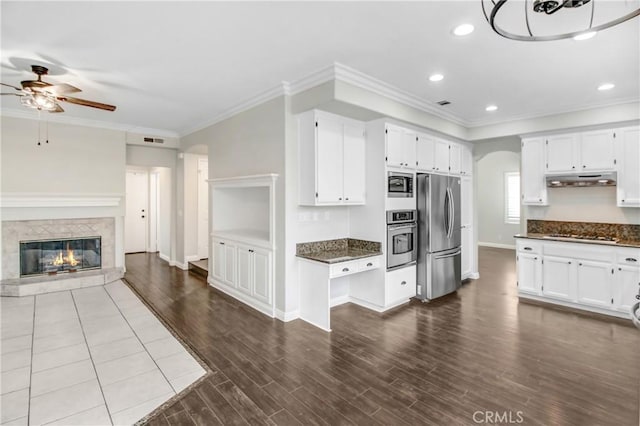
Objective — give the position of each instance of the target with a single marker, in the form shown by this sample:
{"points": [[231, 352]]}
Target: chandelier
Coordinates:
{"points": [[579, 25]]}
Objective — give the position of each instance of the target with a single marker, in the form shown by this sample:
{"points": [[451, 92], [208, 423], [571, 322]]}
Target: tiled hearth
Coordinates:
{"points": [[15, 232], [92, 356]]}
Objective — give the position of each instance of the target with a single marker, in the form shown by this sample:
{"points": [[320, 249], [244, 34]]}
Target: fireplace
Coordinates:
{"points": [[52, 257]]}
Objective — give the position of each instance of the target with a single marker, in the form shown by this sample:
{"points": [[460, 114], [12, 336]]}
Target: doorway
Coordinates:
{"points": [[136, 221], [203, 208]]}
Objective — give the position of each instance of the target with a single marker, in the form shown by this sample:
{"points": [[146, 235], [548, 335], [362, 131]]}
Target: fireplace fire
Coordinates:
{"points": [[58, 256]]}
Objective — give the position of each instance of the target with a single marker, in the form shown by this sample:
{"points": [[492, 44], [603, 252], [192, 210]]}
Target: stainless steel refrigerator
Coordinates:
{"points": [[439, 270]]}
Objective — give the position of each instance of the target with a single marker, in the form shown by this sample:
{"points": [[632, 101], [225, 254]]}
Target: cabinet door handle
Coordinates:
{"points": [[573, 167], [340, 199], [403, 283], [345, 269], [631, 259], [579, 263], [369, 264], [528, 248], [569, 263], [535, 258], [221, 244], [347, 199], [250, 251]]}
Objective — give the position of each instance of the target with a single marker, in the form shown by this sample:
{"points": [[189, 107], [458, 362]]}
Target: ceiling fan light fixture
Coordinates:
{"points": [[491, 108], [492, 8], [436, 77], [463, 30], [39, 101], [606, 86]]}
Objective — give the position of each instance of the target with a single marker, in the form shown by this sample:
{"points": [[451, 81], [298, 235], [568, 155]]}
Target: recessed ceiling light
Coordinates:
{"points": [[585, 36], [606, 86], [491, 108], [436, 77], [463, 30]]}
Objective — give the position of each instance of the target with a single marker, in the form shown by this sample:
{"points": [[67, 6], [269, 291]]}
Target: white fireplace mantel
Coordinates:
{"points": [[46, 200]]}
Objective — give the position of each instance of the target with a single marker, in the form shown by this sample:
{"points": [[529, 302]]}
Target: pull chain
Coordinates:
{"points": [[39, 126]]}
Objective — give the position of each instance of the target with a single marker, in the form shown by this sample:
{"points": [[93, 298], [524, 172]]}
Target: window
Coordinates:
{"points": [[512, 197]]}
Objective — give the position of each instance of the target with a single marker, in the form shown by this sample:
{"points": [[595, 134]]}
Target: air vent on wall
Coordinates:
{"points": [[443, 103], [153, 140]]}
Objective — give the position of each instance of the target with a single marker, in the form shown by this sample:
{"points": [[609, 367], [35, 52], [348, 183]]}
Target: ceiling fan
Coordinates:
{"points": [[45, 96]]}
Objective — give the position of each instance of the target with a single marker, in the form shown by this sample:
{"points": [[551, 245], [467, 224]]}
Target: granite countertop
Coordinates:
{"points": [[545, 237], [340, 250]]}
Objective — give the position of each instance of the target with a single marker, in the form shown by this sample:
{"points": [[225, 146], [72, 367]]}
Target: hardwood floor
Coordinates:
{"points": [[457, 360]]}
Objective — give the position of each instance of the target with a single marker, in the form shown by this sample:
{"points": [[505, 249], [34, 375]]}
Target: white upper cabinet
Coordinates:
{"points": [[400, 147], [561, 153], [441, 156], [534, 189], [597, 150], [331, 159], [578, 152], [466, 167], [455, 158], [425, 160], [628, 154]]}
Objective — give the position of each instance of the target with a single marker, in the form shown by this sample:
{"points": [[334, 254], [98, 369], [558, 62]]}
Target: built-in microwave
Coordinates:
{"points": [[399, 185]]}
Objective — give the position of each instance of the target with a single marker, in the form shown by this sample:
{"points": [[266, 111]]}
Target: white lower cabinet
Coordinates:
{"points": [[592, 277], [529, 273], [626, 288], [224, 262], [400, 285], [557, 278], [245, 272], [595, 284]]}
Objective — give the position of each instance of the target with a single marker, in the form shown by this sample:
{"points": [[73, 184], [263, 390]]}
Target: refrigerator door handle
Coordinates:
{"points": [[452, 205], [444, 256], [446, 213]]}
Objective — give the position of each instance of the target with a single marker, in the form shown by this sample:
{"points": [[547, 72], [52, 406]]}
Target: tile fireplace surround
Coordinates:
{"points": [[13, 232]]}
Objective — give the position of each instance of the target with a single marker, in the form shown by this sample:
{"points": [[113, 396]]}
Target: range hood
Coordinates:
{"points": [[581, 180]]}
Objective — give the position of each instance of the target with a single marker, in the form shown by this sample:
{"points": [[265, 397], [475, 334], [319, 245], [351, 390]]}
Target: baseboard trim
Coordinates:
{"points": [[260, 307], [340, 300], [287, 316], [191, 258], [471, 276], [182, 266], [164, 257], [496, 245], [570, 306]]}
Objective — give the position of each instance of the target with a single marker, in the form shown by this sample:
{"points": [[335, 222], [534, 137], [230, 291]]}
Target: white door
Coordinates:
{"points": [[262, 276], [629, 163], [137, 212], [394, 146], [409, 149], [441, 156], [219, 260], [354, 164], [244, 269], [627, 287], [203, 209], [230, 277], [424, 153], [557, 277], [455, 159], [329, 161], [466, 201], [597, 150], [466, 167], [561, 153], [528, 273], [595, 284], [534, 190]]}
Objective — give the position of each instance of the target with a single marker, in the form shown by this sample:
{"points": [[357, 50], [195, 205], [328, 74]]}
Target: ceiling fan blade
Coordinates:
{"points": [[84, 102], [58, 109], [13, 87], [60, 89]]}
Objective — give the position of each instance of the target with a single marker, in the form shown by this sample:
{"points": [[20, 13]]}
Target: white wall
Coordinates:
{"points": [[250, 143], [79, 160], [596, 204], [490, 200], [166, 222]]}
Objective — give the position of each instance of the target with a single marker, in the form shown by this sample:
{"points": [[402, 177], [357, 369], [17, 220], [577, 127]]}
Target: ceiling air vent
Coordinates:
{"points": [[443, 103], [153, 140]]}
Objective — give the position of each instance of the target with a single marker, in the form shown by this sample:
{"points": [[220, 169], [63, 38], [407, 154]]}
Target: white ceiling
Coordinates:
{"points": [[173, 65]]}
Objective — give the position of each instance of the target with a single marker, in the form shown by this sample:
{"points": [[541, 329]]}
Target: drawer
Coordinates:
{"points": [[580, 251], [343, 268], [369, 263], [628, 256], [528, 246], [400, 285]]}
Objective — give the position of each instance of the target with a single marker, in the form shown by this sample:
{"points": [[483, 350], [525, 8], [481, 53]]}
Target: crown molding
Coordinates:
{"points": [[29, 114], [617, 102], [48, 200], [281, 89]]}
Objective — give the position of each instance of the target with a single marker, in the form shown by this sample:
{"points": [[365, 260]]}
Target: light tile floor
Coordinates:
{"points": [[92, 356]]}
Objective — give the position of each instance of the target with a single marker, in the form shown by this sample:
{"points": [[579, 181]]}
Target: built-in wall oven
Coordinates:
{"points": [[399, 185], [402, 238]]}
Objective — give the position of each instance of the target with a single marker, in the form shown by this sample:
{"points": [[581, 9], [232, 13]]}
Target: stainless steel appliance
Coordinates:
{"points": [[400, 185], [401, 238], [439, 270]]}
